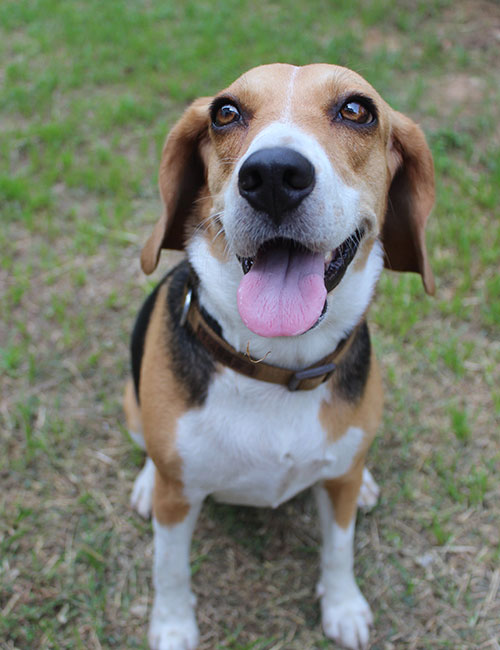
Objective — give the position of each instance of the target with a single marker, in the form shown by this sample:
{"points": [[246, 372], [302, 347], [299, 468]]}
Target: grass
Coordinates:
{"points": [[89, 90]]}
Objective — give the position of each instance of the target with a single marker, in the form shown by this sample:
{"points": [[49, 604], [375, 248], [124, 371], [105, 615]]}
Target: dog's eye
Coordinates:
{"points": [[355, 112], [226, 114]]}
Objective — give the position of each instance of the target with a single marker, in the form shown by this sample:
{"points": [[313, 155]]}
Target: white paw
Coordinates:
{"points": [[347, 622], [141, 499], [180, 634], [369, 492]]}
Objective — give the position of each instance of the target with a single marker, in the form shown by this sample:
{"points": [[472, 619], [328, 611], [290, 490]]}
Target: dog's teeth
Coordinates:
{"points": [[328, 257], [246, 264]]}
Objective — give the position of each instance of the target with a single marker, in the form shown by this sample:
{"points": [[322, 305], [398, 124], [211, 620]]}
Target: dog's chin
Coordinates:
{"points": [[286, 284]]}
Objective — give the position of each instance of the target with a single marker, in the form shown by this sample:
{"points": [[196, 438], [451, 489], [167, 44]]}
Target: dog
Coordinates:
{"points": [[253, 377]]}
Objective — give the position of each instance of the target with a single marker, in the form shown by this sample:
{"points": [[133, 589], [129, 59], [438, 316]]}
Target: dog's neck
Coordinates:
{"points": [[346, 307]]}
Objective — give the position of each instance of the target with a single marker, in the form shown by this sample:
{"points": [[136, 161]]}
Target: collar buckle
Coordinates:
{"points": [[311, 373]]}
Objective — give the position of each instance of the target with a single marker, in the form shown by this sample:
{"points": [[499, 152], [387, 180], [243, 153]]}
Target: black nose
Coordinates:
{"points": [[276, 180]]}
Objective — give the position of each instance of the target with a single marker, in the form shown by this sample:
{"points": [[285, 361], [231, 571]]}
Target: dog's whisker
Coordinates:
{"points": [[207, 220], [204, 197], [226, 249], [219, 232], [231, 159]]}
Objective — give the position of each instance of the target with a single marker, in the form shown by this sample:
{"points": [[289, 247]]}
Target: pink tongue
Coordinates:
{"points": [[284, 292]]}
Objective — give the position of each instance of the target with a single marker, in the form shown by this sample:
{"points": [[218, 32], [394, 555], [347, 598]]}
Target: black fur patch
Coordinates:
{"points": [[192, 363], [139, 335], [352, 372]]}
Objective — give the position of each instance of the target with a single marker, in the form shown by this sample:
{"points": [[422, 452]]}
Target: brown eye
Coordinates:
{"points": [[356, 112], [226, 114]]}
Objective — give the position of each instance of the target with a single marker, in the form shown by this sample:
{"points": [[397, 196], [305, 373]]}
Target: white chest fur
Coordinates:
{"points": [[258, 444]]}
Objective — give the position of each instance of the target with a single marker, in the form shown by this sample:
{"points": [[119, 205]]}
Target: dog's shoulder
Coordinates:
{"points": [[191, 362], [179, 350], [139, 333]]}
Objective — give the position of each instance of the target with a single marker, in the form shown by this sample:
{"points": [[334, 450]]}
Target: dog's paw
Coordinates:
{"points": [[369, 491], [347, 622], [141, 499], [180, 634]]}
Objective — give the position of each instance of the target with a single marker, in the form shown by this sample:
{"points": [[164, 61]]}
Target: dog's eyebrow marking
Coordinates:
{"points": [[287, 111]]}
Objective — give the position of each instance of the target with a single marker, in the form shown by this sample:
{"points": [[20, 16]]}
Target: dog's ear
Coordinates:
{"points": [[182, 174], [411, 197]]}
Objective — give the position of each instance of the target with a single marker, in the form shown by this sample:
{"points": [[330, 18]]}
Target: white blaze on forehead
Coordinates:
{"points": [[287, 112], [287, 134]]}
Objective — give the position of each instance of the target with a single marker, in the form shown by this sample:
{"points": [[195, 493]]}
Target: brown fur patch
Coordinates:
{"points": [[336, 416], [131, 408], [343, 493], [169, 505], [162, 403], [214, 229]]}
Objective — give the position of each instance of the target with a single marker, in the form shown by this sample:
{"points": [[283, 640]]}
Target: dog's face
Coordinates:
{"points": [[307, 159], [293, 174]]}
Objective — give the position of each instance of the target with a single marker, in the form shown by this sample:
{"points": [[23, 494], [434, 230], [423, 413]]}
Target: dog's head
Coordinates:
{"points": [[295, 173]]}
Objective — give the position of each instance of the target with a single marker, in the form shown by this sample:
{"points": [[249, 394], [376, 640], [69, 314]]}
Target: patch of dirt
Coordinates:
{"points": [[474, 24], [462, 89], [376, 39]]}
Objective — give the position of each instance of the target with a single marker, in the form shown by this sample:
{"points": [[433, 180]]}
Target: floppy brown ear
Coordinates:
{"points": [[182, 174], [411, 197]]}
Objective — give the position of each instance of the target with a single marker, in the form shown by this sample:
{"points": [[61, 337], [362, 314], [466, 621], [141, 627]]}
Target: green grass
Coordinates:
{"points": [[89, 90]]}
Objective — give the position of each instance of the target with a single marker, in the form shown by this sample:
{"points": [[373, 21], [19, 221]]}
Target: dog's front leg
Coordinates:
{"points": [[345, 614], [173, 623]]}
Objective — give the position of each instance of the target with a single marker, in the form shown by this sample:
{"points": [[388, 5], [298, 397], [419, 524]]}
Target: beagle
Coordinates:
{"points": [[253, 377]]}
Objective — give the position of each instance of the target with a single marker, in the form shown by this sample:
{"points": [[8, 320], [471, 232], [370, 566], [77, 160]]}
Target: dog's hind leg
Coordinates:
{"points": [[369, 491], [141, 498], [133, 414]]}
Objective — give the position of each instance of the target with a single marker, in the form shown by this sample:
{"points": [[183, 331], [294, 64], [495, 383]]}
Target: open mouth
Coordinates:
{"points": [[341, 257], [336, 261], [284, 287]]}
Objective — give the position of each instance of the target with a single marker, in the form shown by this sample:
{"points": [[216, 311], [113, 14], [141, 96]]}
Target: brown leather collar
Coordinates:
{"points": [[305, 379]]}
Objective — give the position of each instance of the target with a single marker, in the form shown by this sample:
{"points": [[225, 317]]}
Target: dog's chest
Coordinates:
{"points": [[256, 444]]}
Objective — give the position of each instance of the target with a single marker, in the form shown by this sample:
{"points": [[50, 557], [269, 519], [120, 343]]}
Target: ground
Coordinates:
{"points": [[88, 92]]}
